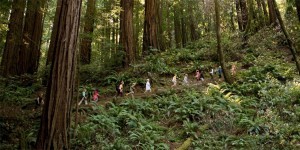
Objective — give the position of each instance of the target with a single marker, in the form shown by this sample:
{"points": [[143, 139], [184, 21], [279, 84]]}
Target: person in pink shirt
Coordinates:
{"points": [[96, 95]]}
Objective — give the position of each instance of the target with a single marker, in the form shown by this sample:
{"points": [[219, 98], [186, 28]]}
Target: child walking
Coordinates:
{"points": [[84, 98], [96, 95], [148, 86]]}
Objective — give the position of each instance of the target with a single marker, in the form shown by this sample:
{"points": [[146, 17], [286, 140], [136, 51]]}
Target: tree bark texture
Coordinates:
{"points": [[290, 42], [272, 13], [226, 74], [56, 117], [239, 14], [126, 31], [87, 39], [244, 12], [53, 39], [298, 8], [150, 39], [9, 63], [264, 6], [32, 37]]}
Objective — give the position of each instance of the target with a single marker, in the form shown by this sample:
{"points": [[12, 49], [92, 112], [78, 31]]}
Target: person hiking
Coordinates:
{"points": [[211, 73], [197, 76], [174, 80], [96, 95], [84, 97], [201, 76], [233, 69], [132, 88], [119, 89], [148, 86], [219, 71], [185, 79]]}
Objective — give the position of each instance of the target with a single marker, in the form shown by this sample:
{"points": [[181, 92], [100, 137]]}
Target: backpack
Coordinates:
{"points": [[117, 88]]}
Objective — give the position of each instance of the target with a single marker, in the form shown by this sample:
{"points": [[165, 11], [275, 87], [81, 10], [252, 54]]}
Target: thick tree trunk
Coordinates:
{"points": [[272, 13], [87, 39], [226, 74], [290, 42], [126, 31], [56, 117], [298, 8], [150, 38], [53, 39], [32, 36], [9, 63]]}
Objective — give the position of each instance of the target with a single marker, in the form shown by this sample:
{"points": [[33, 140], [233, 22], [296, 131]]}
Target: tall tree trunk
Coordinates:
{"points": [[9, 63], [264, 6], [298, 8], [192, 23], [272, 13], [261, 18], [126, 31], [56, 117], [55, 24], [239, 14], [183, 28], [244, 12], [232, 18], [87, 39], [177, 28], [32, 36], [227, 76], [290, 42], [150, 38]]}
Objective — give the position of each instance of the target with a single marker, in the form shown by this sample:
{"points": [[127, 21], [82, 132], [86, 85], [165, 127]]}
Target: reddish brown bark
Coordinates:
{"points": [[272, 13], [126, 31], [54, 33], [56, 117], [150, 38], [32, 36], [9, 63], [87, 39]]}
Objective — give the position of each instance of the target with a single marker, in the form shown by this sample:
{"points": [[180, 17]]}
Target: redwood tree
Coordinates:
{"points": [[226, 74], [32, 36], [87, 39], [55, 123], [150, 38], [53, 39], [9, 63], [126, 31]]}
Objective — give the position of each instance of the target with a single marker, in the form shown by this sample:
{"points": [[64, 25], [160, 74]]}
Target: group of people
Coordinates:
{"points": [[199, 75], [95, 96]]}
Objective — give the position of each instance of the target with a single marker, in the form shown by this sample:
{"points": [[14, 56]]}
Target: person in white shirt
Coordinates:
{"points": [[148, 86], [174, 80], [185, 79]]}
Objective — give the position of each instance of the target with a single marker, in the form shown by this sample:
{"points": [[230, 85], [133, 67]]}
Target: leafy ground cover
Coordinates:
{"points": [[261, 110]]}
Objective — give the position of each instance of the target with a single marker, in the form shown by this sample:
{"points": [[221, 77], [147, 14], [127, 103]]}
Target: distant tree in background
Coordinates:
{"points": [[54, 132], [9, 63], [150, 37], [87, 35], [32, 37], [126, 32], [226, 74]]}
